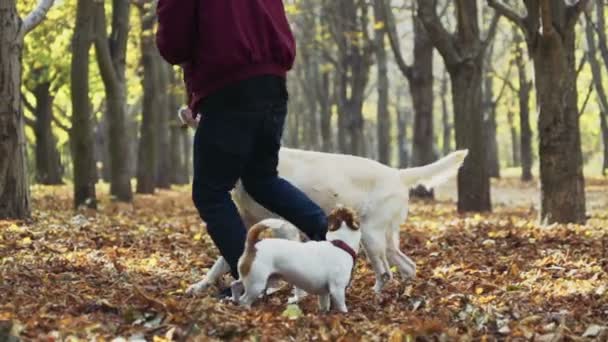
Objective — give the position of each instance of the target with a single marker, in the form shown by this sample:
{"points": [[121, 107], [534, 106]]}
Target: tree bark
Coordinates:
{"points": [[111, 58], [489, 129], [445, 117], [383, 115], [525, 86], [325, 109], [14, 189], [596, 70], [147, 150], [349, 30], [550, 35], [81, 134], [463, 53], [403, 118], [420, 78], [179, 174], [561, 161], [163, 174], [421, 89], [48, 162], [515, 141]]}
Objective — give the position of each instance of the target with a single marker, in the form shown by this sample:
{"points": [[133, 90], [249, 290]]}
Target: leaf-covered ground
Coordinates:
{"points": [[121, 272]]}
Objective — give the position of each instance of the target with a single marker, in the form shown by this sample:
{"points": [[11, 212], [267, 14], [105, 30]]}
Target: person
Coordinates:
{"points": [[235, 55]]}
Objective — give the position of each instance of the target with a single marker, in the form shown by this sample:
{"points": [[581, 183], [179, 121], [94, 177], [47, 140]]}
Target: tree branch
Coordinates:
{"points": [[29, 122], [575, 11], [441, 38], [58, 123], [581, 65], [36, 16], [582, 110], [28, 104], [508, 13], [491, 31], [391, 30], [102, 49]]}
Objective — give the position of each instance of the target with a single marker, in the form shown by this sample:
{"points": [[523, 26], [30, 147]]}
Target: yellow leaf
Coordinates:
{"points": [[396, 336], [26, 241], [152, 261], [479, 290], [379, 25], [198, 237]]}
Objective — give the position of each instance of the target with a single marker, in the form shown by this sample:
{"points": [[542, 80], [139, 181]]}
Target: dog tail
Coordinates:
{"points": [[436, 173], [253, 237]]}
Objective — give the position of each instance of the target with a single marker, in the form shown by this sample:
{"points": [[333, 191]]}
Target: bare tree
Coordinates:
{"points": [[14, 189], [81, 134], [111, 54], [49, 170], [549, 28], [596, 70], [349, 29], [147, 150], [420, 79], [383, 116], [463, 53], [445, 115], [524, 89]]}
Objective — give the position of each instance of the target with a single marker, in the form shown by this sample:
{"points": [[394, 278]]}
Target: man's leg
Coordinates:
{"points": [[220, 149], [261, 181]]}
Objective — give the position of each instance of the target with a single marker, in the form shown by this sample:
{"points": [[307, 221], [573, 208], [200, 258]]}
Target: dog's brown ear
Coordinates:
{"points": [[342, 214], [333, 221]]}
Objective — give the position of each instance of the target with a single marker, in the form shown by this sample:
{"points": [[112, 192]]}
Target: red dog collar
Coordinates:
{"points": [[343, 246]]}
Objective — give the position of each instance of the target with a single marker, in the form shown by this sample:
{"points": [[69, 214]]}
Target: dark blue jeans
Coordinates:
{"points": [[244, 144]]}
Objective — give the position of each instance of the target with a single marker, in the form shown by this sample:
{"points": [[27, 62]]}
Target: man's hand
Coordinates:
{"points": [[187, 118]]}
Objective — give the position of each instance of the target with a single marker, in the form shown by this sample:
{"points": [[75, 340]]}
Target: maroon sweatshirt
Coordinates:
{"points": [[221, 42]]}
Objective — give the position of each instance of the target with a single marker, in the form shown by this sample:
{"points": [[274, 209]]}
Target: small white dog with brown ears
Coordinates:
{"points": [[323, 268]]}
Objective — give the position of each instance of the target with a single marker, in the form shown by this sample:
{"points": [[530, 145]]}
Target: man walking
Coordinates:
{"points": [[235, 55]]}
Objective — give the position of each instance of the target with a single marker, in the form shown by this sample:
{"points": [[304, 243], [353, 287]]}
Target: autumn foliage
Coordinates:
{"points": [[122, 272]]}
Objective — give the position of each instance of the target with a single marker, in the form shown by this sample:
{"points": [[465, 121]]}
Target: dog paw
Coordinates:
{"points": [[197, 288], [237, 288]]}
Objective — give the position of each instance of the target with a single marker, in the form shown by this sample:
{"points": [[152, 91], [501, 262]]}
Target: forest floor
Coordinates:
{"points": [[122, 272]]}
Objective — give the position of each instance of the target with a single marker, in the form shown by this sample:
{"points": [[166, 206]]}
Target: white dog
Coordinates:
{"points": [[378, 193], [317, 267]]}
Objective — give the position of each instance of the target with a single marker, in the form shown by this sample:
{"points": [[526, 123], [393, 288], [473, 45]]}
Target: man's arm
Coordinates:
{"points": [[176, 35]]}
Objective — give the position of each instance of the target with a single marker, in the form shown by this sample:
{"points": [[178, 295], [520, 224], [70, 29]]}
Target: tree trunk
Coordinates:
{"points": [[111, 58], [177, 155], [515, 148], [383, 116], [147, 150], [463, 53], [403, 118], [596, 70], [354, 63], [421, 89], [48, 162], [445, 117], [325, 109], [489, 129], [163, 175], [473, 179], [525, 86], [604, 124], [81, 134], [561, 162], [102, 152], [14, 189], [187, 142]]}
